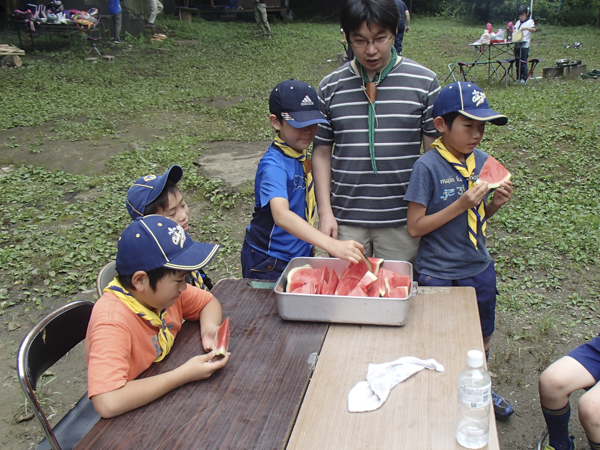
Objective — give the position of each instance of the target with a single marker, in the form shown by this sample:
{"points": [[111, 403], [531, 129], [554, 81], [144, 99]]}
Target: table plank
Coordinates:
{"points": [[250, 403], [443, 324]]}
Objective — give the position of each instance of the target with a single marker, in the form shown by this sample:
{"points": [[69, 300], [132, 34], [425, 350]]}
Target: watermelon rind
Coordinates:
{"points": [[486, 173], [221, 344], [291, 285]]}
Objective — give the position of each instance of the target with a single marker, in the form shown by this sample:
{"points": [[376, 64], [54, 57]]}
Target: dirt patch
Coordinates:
{"points": [[222, 101]]}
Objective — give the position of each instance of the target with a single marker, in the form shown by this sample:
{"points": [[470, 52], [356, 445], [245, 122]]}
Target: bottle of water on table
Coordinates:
{"points": [[474, 401]]}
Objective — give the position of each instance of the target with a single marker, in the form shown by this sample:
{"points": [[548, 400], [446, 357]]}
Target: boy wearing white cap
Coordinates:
{"points": [[138, 317], [284, 210], [448, 210]]}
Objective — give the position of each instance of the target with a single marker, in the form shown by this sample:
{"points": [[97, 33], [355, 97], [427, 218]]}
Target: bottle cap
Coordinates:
{"points": [[474, 359]]}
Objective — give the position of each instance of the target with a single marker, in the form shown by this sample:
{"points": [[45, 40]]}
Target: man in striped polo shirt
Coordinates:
{"points": [[379, 110]]}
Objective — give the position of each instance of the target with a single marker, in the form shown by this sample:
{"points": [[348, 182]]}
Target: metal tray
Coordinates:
{"points": [[343, 309]]}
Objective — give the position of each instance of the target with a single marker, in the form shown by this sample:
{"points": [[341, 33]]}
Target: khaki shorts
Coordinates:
{"points": [[387, 243]]}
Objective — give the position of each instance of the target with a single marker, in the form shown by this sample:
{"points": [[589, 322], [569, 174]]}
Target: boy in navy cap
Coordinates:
{"points": [[136, 320], [284, 210], [159, 194], [448, 210]]}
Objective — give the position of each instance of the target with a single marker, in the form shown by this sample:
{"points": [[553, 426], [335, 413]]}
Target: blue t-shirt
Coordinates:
{"points": [[277, 176], [447, 252], [402, 7], [114, 7]]}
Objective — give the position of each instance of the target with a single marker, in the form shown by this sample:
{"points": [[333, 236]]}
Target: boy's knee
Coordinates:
{"points": [[552, 383], [589, 411]]}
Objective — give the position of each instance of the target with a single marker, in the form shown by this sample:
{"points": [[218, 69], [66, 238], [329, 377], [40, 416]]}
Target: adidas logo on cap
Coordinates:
{"points": [[307, 101]]}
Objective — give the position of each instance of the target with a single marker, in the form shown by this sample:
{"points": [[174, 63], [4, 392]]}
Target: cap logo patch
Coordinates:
{"points": [[177, 235], [287, 116], [149, 178], [478, 97], [307, 101]]}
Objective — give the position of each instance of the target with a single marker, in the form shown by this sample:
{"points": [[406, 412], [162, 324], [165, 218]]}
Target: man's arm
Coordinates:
{"points": [[407, 20], [427, 141], [140, 392], [321, 168], [295, 225]]}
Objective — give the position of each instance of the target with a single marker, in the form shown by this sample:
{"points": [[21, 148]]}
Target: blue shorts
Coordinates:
{"points": [[256, 264], [588, 355], [485, 289]]}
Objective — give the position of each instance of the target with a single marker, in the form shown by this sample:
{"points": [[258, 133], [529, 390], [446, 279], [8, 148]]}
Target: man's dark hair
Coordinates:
{"points": [[353, 13], [161, 202], [154, 276], [449, 118]]}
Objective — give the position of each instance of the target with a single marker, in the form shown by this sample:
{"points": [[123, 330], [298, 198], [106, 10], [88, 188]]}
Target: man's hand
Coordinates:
{"points": [[328, 225]]}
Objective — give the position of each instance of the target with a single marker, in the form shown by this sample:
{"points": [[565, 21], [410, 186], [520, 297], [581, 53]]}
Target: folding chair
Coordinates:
{"points": [[51, 339], [93, 47], [507, 65], [533, 62], [105, 276], [543, 437], [463, 68]]}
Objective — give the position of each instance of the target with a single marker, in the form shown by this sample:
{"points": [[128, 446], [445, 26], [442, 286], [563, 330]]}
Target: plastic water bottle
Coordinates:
{"points": [[474, 401]]}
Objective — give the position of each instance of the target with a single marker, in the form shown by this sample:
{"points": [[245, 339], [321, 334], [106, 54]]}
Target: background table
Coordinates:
{"points": [[489, 53], [249, 404], [421, 412]]}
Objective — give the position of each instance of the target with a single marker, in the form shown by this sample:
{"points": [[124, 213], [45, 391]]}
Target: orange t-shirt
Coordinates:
{"points": [[120, 345]]}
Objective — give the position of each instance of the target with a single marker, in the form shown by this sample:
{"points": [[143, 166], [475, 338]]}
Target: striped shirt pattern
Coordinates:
{"points": [[359, 197]]}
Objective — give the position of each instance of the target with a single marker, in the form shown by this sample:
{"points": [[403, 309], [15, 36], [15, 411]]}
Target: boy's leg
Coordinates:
{"points": [[256, 264], [257, 18], [589, 416], [118, 22], [557, 382], [524, 57], [394, 243], [153, 11]]}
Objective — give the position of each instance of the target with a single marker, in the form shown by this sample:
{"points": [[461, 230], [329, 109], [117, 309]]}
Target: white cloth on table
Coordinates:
{"points": [[381, 378]]}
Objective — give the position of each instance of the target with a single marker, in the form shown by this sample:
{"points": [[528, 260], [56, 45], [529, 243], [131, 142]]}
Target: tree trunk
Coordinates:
{"points": [[598, 21]]}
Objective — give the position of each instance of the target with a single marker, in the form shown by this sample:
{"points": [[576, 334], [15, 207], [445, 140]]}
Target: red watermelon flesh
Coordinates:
{"points": [[357, 292], [321, 277], [398, 292], [308, 288], [355, 271], [494, 173], [377, 289], [327, 290], [345, 286], [375, 264], [333, 280], [360, 290], [299, 276], [221, 344]]}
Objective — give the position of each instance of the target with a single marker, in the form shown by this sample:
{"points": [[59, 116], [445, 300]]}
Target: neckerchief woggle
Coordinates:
{"points": [[301, 157], [165, 337], [475, 215], [377, 80]]}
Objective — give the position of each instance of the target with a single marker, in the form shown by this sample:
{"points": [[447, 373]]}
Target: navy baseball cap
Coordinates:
{"points": [[469, 100], [156, 241], [145, 190], [297, 102]]}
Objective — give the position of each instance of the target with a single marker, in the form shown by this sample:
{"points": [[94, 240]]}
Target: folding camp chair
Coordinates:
{"points": [[105, 276], [463, 69], [533, 63], [51, 339], [508, 66]]}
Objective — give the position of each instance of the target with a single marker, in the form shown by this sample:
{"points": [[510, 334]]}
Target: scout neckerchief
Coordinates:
{"points": [[311, 203], [475, 215], [197, 279], [165, 337], [371, 91]]}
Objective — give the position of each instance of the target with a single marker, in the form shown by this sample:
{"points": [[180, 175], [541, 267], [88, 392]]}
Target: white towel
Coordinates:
{"points": [[381, 378]]}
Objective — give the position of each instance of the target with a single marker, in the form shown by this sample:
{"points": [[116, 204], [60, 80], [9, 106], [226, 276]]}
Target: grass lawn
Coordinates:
{"points": [[58, 228]]}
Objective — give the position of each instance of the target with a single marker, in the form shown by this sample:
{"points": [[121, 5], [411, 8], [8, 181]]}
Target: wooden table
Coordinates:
{"points": [[421, 412], [254, 402], [249, 404]]}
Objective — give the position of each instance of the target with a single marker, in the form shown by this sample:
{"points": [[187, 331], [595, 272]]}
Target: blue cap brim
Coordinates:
{"points": [[198, 255], [143, 191], [301, 119], [486, 115]]}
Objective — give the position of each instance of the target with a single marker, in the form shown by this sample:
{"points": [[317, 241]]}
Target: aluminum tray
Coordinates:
{"points": [[342, 309]]}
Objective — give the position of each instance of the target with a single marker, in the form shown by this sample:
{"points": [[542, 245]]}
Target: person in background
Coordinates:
{"points": [[156, 8], [114, 9], [403, 25], [527, 26], [260, 15]]}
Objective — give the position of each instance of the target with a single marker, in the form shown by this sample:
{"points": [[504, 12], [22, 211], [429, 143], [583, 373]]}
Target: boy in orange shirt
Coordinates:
{"points": [[136, 320]]}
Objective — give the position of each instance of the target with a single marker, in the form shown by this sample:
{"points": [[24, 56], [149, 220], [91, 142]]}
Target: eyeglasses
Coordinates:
{"points": [[380, 41]]}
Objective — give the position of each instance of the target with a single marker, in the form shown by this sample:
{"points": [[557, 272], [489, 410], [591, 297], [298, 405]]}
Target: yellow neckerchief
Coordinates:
{"points": [[197, 279], [475, 215], [165, 337], [308, 179]]}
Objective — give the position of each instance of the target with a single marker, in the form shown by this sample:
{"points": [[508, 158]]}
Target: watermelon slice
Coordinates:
{"points": [[333, 280], [375, 264], [345, 286], [494, 173], [360, 290], [355, 271], [377, 289], [307, 288], [299, 276], [221, 344], [398, 292]]}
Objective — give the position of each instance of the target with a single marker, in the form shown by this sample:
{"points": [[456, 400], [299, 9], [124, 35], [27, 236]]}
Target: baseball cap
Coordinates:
{"points": [[145, 190], [297, 103], [156, 241], [468, 99]]}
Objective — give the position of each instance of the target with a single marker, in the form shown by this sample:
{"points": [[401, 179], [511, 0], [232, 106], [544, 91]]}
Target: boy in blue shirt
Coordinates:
{"points": [[448, 210], [159, 194], [284, 210]]}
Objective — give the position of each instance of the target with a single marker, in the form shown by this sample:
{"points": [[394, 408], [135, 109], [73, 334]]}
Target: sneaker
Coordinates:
{"points": [[573, 445], [118, 41], [502, 408], [269, 36]]}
